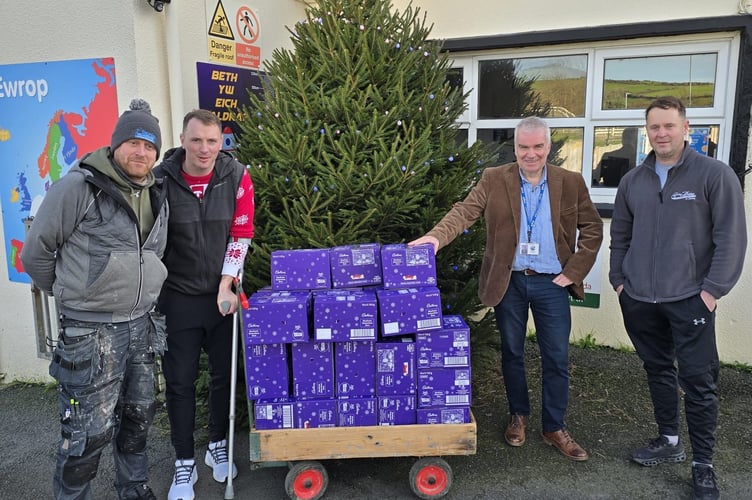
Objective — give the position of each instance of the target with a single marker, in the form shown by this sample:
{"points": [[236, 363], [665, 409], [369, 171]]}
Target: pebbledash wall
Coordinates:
{"points": [[156, 54]]}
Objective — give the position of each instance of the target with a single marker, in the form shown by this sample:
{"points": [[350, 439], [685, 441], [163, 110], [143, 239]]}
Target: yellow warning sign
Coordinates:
{"points": [[220, 26], [222, 52]]}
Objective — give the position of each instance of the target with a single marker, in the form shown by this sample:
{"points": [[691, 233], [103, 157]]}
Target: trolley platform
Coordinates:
{"points": [[302, 449]]}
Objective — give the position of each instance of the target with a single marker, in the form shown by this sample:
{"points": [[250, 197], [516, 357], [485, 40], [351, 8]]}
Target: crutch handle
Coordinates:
{"points": [[241, 293]]}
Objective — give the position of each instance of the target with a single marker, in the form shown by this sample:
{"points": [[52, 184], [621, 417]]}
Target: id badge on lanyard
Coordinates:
{"points": [[530, 247]]}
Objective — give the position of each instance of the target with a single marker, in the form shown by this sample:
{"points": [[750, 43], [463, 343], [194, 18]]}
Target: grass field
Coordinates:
{"points": [[569, 94]]}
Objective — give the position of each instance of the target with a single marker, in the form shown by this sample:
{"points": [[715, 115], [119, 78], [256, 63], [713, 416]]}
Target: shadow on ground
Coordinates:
{"points": [[610, 414]]}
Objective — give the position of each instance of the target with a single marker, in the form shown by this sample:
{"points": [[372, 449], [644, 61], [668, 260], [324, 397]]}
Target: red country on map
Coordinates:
{"points": [[66, 125]]}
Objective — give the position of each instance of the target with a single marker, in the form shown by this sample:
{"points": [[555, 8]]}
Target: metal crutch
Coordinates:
{"points": [[242, 303]]}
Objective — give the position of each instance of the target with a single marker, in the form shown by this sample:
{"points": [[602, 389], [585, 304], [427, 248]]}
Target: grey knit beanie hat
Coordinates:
{"points": [[137, 123]]}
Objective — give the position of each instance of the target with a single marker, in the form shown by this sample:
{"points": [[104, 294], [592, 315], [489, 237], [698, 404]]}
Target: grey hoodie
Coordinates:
{"points": [[670, 244], [85, 245]]}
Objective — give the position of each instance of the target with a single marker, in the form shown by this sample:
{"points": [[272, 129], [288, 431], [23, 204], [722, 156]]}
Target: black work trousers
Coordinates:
{"points": [[676, 343], [195, 324]]}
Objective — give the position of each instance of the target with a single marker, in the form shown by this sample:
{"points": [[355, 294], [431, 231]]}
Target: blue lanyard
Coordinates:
{"points": [[531, 220]]}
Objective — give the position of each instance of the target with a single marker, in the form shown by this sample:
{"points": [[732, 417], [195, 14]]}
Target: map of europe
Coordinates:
{"points": [[51, 114]]}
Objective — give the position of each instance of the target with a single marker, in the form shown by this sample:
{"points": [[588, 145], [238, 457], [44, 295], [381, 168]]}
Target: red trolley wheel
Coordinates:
{"points": [[306, 481], [430, 478]]}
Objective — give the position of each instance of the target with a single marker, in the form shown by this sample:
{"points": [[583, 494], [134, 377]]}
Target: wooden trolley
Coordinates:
{"points": [[302, 449]]}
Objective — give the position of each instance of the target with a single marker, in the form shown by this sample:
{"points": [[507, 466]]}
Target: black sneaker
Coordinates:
{"points": [[142, 491], [703, 483], [659, 451]]}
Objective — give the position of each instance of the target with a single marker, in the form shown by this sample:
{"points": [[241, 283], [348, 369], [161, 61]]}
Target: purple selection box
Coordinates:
{"points": [[304, 269], [397, 410], [355, 265], [444, 387], [404, 266], [266, 371], [395, 368], [312, 370], [409, 310], [355, 368], [314, 413], [273, 414], [277, 317], [356, 412], [444, 415], [445, 348], [341, 315]]}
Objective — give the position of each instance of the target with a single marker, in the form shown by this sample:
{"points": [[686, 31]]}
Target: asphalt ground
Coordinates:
{"points": [[609, 415]]}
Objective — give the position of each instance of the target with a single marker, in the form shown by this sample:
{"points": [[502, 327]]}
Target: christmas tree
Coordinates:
{"points": [[355, 141]]}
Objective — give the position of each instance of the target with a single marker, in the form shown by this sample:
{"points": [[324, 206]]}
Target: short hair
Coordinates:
{"points": [[533, 123], [204, 116], [629, 135], [668, 102]]}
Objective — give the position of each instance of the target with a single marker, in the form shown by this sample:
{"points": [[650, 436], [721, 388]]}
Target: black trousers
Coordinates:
{"points": [[676, 343], [194, 324]]}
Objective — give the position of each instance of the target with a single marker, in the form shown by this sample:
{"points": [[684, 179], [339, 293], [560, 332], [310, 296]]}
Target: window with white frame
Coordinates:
{"points": [[593, 96]]}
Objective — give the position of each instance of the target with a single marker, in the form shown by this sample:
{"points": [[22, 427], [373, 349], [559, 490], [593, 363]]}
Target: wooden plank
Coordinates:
{"points": [[363, 442]]}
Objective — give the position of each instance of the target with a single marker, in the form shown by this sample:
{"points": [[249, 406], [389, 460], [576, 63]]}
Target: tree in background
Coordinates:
{"points": [[513, 95], [355, 141]]}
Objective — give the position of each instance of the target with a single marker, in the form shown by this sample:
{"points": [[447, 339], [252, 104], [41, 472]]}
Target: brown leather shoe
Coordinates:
{"points": [[515, 433], [566, 445]]}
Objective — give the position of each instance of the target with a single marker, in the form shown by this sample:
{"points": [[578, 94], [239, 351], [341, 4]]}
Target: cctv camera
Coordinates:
{"points": [[158, 5]]}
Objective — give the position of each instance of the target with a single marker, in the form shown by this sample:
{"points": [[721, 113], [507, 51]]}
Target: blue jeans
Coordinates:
{"points": [[105, 374], [552, 316]]}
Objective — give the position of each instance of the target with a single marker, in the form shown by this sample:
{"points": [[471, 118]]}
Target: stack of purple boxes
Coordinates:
{"points": [[354, 336]]}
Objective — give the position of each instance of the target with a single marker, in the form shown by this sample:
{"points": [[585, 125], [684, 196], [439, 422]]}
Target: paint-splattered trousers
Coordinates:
{"points": [[106, 376]]}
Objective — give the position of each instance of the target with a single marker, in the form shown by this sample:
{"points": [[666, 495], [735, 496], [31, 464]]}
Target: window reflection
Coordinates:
{"points": [[461, 137], [616, 151], [632, 83], [455, 78], [704, 139], [566, 146], [619, 149], [541, 86]]}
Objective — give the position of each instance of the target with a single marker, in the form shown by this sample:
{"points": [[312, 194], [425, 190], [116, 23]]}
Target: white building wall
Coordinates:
{"points": [[452, 19], [18, 347], [151, 49]]}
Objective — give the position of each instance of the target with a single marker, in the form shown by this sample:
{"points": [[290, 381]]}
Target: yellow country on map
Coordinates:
{"points": [[4, 135]]}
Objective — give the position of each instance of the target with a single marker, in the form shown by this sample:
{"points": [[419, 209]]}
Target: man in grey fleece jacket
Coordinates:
{"points": [[96, 243], [678, 240]]}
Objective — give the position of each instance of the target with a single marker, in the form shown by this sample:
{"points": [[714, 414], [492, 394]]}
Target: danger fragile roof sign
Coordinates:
{"points": [[233, 34]]}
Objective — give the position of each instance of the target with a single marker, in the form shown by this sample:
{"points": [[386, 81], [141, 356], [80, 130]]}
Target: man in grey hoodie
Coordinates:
{"points": [[96, 243], [678, 240]]}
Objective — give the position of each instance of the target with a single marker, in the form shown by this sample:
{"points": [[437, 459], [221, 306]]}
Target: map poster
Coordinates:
{"points": [[51, 114]]}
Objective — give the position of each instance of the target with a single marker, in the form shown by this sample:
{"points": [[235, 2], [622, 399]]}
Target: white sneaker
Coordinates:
{"points": [[216, 458], [186, 476]]}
